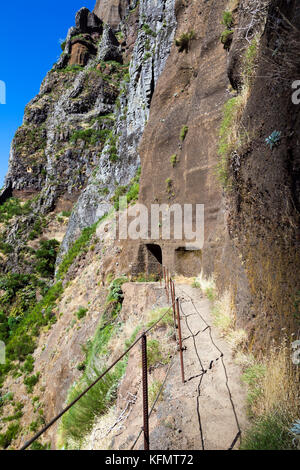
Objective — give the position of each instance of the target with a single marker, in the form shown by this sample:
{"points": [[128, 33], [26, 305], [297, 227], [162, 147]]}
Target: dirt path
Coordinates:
{"points": [[205, 413], [208, 411]]}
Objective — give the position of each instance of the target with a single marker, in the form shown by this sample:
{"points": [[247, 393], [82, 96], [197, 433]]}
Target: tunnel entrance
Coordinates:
{"points": [[154, 260], [156, 251], [188, 261], [149, 262]]}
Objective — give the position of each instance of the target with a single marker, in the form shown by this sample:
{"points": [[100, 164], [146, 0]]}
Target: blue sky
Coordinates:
{"points": [[29, 39]]}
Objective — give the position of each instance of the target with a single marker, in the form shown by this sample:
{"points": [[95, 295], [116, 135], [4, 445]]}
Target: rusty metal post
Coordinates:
{"points": [[145, 393], [180, 340], [173, 298], [167, 284]]}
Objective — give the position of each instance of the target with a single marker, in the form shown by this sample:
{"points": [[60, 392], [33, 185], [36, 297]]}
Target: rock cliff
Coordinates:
{"points": [[161, 101]]}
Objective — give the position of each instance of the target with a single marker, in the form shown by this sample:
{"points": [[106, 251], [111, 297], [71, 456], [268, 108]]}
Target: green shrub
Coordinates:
{"points": [[131, 191], [31, 381], [12, 207], [148, 30], [227, 19], [270, 432], [226, 38], [71, 69], [63, 45], [81, 313], [6, 248], [46, 256], [183, 133], [14, 417], [28, 364], [168, 184], [7, 437], [184, 41], [90, 136], [174, 160], [78, 421], [78, 247], [154, 353], [36, 445]]}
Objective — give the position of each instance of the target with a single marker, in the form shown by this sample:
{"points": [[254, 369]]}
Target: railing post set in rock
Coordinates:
{"points": [[169, 287]]}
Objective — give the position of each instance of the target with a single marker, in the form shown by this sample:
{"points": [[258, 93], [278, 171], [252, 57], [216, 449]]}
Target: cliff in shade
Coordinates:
{"points": [[146, 101]]}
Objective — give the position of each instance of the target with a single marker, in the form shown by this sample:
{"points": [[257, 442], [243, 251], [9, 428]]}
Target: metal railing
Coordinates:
{"points": [[170, 292]]}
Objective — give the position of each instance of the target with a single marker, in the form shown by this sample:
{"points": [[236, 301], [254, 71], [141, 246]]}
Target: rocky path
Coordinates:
{"points": [[208, 411]]}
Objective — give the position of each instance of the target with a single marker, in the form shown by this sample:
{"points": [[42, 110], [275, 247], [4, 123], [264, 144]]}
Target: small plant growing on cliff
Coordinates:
{"points": [[227, 34], [274, 139], [226, 38], [227, 19], [63, 45], [81, 313], [148, 30], [183, 133], [184, 41], [168, 185], [174, 160]]}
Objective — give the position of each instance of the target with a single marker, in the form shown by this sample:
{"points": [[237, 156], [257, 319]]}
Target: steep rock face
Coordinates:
{"points": [[262, 213], [112, 12], [251, 228], [190, 95], [156, 29]]}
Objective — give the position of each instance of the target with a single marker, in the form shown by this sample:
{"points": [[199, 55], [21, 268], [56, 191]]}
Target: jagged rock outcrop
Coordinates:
{"points": [[151, 49]]}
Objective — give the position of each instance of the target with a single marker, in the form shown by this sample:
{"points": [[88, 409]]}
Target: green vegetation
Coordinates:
{"points": [[174, 160], [7, 437], [227, 34], [63, 45], [169, 184], [227, 138], [31, 381], [154, 390], [12, 207], [90, 136], [273, 401], [81, 313], [232, 138], [78, 248], [227, 19], [71, 69], [38, 446], [155, 315], [20, 332], [147, 56], [269, 433], [37, 228], [46, 257], [183, 133], [112, 150], [226, 38], [155, 354], [78, 421], [131, 192], [148, 30], [184, 41], [253, 376]]}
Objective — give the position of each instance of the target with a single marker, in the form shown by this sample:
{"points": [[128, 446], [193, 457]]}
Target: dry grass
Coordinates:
{"points": [[224, 320], [280, 384]]}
